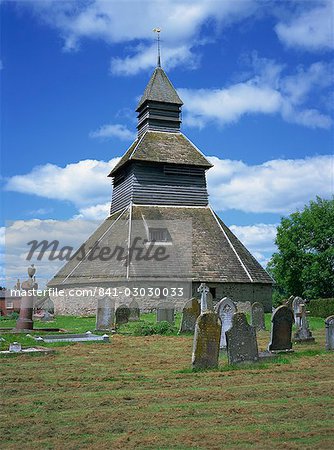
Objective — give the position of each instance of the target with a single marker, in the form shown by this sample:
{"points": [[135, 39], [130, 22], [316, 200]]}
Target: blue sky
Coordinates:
{"points": [[256, 78]]}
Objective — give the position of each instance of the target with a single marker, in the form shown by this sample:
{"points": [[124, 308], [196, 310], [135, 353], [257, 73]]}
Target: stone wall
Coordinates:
{"points": [[82, 301], [242, 292], [82, 305]]}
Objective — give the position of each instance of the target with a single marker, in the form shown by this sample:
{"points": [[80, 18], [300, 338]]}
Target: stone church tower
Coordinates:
{"points": [[160, 194]]}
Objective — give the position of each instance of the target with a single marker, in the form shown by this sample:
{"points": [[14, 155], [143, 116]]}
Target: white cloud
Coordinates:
{"points": [[258, 236], [259, 239], [266, 92], [113, 130], [16, 249], [95, 212], [146, 57], [84, 183], [117, 22], [311, 30], [277, 186]]}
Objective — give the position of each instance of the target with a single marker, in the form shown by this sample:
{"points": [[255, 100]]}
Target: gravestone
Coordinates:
{"points": [[206, 341], [134, 311], [165, 312], [303, 333], [296, 310], [243, 307], [48, 317], [105, 314], [225, 310], [190, 312], [257, 316], [329, 323], [281, 329], [289, 301], [122, 314], [241, 341]]}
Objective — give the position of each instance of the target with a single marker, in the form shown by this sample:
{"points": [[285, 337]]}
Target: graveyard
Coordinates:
{"points": [[141, 392]]}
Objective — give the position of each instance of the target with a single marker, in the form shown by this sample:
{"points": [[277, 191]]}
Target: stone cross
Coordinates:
{"points": [[203, 290], [25, 321], [225, 310], [329, 323], [281, 329], [303, 333], [241, 341], [206, 341]]}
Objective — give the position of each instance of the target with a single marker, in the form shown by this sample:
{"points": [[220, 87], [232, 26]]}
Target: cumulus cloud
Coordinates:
{"points": [[17, 235], [268, 91], [259, 239], [310, 30], [109, 131], [95, 212], [181, 22], [277, 186], [84, 183]]}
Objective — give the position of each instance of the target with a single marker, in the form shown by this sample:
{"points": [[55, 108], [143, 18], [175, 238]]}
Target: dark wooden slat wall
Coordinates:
{"points": [[160, 184]]}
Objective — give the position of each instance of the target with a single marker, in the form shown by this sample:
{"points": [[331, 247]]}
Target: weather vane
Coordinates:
{"points": [[158, 30]]}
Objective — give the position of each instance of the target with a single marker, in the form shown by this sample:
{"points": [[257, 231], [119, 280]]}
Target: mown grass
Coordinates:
{"points": [[139, 392]]}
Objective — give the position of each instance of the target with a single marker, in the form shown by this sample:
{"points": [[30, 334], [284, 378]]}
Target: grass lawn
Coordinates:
{"points": [[138, 392]]}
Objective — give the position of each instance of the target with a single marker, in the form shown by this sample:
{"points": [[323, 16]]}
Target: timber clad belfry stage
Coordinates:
{"points": [[160, 199]]}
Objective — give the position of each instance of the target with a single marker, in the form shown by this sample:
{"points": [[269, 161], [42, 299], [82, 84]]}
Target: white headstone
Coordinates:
{"points": [[225, 310]]}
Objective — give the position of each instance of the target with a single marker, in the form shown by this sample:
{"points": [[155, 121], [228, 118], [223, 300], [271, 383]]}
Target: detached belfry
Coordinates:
{"points": [[161, 181]]}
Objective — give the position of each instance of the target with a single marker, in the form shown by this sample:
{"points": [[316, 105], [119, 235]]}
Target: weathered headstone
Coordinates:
{"points": [[165, 312], [281, 329], [134, 311], [122, 314], [225, 310], [296, 310], [243, 307], [257, 316], [206, 341], [329, 323], [303, 333], [190, 312], [105, 314], [241, 341]]}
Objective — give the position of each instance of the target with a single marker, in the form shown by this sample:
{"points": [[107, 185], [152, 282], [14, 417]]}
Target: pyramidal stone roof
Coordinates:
{"points": [[160, 89], [161, 147], [216, 253]]}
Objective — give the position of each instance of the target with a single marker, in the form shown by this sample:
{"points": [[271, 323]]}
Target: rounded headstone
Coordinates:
{"points": [[241, 341], [206, 341], [190, 312], [122, 314]]}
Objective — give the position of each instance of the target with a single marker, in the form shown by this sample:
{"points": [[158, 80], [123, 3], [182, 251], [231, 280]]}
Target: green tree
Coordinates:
{"points": [[304, 263]]}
